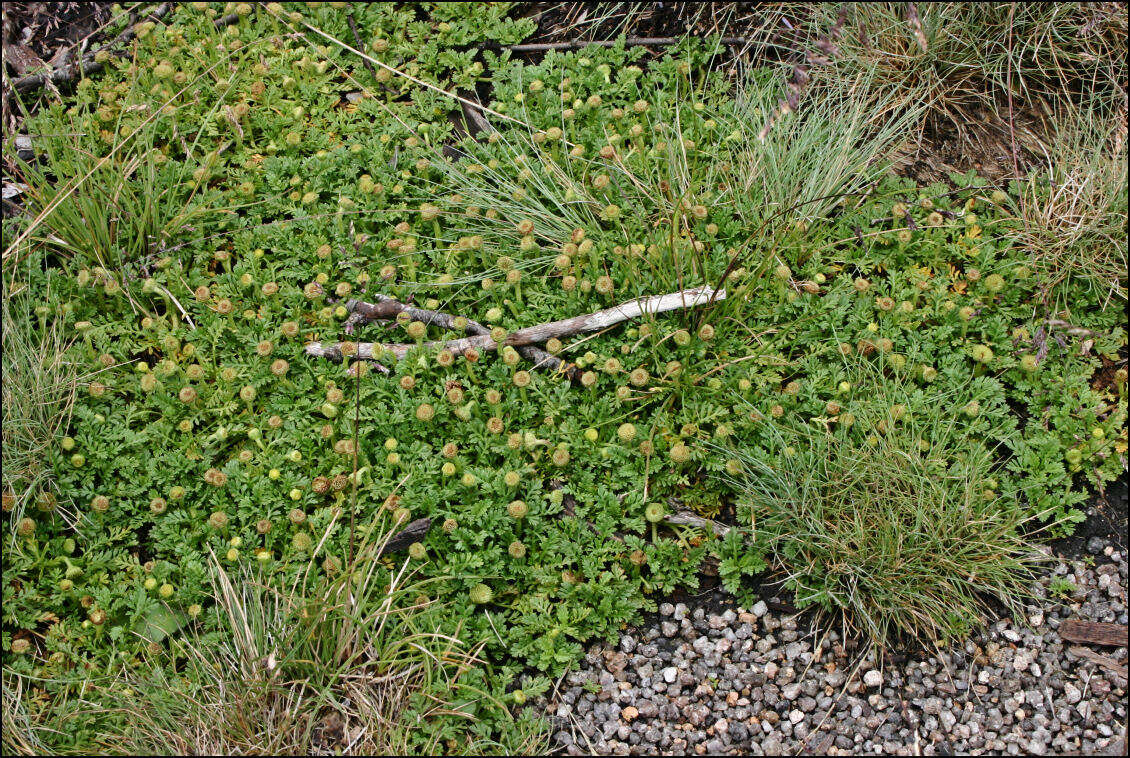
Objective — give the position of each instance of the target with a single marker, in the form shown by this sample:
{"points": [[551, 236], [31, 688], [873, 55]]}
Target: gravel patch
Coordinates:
{"points": [[734, 681]]}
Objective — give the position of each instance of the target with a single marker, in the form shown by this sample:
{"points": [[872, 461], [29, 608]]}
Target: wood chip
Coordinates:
{"points": [[1105, 661], [1093, 632]]}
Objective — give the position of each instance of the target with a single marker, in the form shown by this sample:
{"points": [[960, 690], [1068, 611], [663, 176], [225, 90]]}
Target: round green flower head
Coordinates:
{"points": [[682, 337], [25, 527], [481, 594], [655, 512], [517, 550], [626, 432], [425, 412], [680, 453], [517, 509], [417, 551], [981, 353]]}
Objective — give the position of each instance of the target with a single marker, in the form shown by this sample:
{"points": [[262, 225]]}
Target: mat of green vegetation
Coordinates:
{"points": [[888, 397]]}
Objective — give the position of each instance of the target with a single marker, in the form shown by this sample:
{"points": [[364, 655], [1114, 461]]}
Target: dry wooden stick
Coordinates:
{"points": [[389, 308], [591, 322]]}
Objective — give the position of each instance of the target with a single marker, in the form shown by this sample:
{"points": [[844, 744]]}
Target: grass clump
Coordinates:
{"points": [[1073, 209], [892, 520], [39, 382]]}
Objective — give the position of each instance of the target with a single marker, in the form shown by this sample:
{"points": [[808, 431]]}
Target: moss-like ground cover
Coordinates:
{"points": [[888, 395]]}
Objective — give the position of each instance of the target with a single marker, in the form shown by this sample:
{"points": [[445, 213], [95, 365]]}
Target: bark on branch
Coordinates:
{"points": [[591, 322], [387, 308]]}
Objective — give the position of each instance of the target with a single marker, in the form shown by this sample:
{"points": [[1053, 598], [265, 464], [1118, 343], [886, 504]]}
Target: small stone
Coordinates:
{"points": [[670, 674], [629, 713], [796, 716], [873, 678], [759, 609], [1072, 693]]}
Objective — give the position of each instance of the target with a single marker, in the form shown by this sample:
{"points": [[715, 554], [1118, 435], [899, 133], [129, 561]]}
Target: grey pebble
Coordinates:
{"points": [[719, 681]]}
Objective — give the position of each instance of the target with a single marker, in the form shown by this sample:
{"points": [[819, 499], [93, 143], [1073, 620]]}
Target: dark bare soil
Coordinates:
{"points": [[45, 34]]}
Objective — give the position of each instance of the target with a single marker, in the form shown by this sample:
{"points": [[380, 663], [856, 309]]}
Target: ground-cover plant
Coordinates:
{"points": [[202, 431]]}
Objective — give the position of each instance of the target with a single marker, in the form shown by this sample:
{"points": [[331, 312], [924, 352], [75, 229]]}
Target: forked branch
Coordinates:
{"points": [[478, 340]]}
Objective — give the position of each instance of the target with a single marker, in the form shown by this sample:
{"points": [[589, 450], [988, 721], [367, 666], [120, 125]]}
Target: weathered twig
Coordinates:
{"points": [[542, 47], [388, 308], [686, 518], [86, 64], [1069, 328], [1105, 661], [357, 39], [590, 322]]}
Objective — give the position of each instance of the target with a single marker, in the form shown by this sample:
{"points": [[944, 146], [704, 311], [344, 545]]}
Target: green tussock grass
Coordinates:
{"points": [[900, 532]]}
